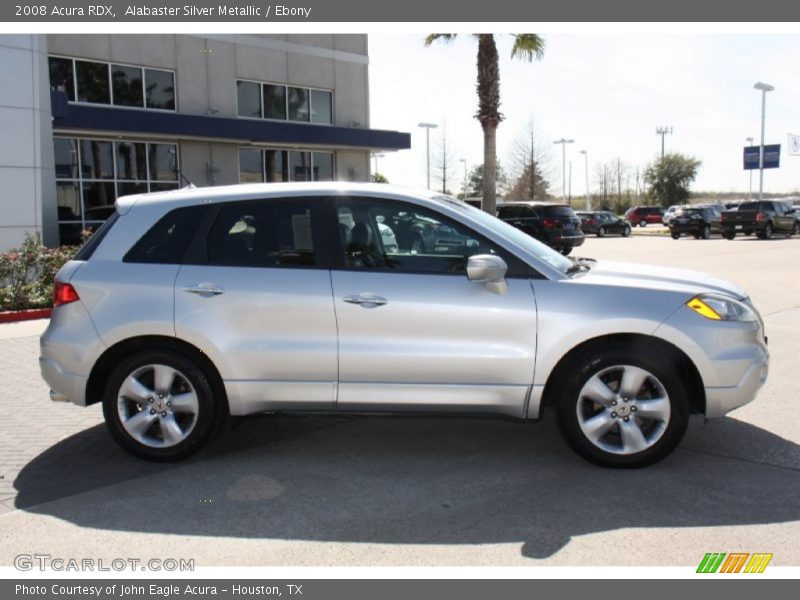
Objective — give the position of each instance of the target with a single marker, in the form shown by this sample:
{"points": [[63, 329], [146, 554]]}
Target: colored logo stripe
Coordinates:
{"points": [[758, 562], [734, 562], [711, 562]]}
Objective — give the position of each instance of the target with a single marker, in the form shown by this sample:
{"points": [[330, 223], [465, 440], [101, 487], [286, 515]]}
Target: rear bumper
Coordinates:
{"points": [[64, 386], [565, 241]]}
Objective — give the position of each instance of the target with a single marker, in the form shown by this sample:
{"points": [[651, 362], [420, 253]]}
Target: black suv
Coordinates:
{"points": [[698, 221], [556, 225]]}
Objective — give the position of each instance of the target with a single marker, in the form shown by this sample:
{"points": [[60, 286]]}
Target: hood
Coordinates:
{"points": [[662, 278]]}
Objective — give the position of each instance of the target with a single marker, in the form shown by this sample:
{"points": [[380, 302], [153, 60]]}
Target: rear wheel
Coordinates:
{"points": [[675, 236], [796, 228], [565, 250], [160, 406], [706, 232], [626, 231], [601, 231], [623, 406], [643, 223], [728, 235], [767, 233]]}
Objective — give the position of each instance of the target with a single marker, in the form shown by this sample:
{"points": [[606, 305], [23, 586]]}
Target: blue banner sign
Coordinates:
{"points": [[772, 156]]}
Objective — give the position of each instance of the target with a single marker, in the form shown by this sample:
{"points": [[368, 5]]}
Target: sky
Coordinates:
{"points": [[608, 92]]}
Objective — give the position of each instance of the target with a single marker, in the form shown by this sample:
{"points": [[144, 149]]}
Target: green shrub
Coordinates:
{"points": [[27, 273]]}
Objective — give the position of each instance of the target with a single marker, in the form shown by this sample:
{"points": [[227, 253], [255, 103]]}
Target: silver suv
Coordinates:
{"points": [[190, 305]]}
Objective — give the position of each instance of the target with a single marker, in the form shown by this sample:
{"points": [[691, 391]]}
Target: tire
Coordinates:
{"points": [[588, 390], [696, 236], [767, 233], [643, 223], [149, 425], [601, 232], [748, 232], [418, 245], [706, 232], [675, 236], [728, 235], [626, 231], [796, 229], [565, 250]]}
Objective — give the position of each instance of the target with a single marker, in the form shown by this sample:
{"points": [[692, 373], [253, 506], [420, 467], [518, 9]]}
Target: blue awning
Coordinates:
{"points": [[110, 119]]}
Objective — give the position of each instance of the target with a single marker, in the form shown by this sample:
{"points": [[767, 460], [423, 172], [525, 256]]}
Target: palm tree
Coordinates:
{"points": [[528, 46]]}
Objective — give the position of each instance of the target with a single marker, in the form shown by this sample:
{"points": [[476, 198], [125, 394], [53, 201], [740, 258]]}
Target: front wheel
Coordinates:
{"points": [[623, 407], [676, 236], [795, 229], [601, 232], [706, 232], [160, 406], [565, 250], [729, 235], [626, 231]]}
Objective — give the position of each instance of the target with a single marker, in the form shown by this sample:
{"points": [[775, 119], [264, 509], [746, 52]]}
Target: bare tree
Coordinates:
{"points": [[531, 166], [445, 163]]}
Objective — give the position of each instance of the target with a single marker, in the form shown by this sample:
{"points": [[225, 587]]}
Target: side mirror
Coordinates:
{"points": [[490, 270]]}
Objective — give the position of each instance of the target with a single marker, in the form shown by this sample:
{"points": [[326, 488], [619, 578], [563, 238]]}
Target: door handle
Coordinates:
{"points": [[366, 300], [204, 289]]}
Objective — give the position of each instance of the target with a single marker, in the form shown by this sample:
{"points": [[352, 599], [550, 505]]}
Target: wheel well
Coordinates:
{"points": [[112, 356], [697, 400]]}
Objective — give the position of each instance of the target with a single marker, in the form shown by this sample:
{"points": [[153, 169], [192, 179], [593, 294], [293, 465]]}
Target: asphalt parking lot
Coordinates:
{"points": [[420, 491]]}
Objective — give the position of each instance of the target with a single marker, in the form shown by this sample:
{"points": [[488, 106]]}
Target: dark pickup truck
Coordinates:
{"points": [[764, 218]]}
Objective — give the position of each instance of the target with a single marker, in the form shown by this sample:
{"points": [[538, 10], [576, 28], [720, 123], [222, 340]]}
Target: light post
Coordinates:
{"points": [[428, 127], [764, 88], [588, 198], [663, 132], [750, 189], [564, 143], [464, 185]]}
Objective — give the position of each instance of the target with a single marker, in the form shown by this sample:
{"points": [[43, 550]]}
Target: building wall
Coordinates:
{"points": [[26, 143]]}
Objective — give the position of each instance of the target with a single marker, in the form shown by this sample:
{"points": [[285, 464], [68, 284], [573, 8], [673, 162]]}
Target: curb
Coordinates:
{"points": [[13, 316]]}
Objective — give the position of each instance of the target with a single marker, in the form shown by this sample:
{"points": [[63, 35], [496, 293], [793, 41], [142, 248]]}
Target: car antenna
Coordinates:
{"points": [[189, 185]]}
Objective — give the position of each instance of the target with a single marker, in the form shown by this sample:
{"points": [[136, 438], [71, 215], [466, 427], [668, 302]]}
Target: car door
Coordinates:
{"points": [[414, 333], [257, 299], [783, 221]]}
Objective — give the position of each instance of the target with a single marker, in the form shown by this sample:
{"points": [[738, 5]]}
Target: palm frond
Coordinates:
{"points": [[528, 46], [439, 37]]}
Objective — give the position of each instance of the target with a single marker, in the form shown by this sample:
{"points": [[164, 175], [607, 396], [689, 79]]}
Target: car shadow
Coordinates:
{"points": [[413, 481]]}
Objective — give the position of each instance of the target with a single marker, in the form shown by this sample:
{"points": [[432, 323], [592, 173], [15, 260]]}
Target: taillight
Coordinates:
{"points": [[64, 293], [549, 222], [759, 217]]}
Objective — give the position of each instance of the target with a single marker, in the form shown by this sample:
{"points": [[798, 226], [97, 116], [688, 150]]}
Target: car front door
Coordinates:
{"points": [[257, 299], [414, 333]]}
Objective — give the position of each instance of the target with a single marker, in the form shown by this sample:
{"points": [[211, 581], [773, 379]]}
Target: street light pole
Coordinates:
{"points": [[750, 189], [428, 127], [464, 185], [663, 131], [564, 143], [764, 88], [588, 198]]}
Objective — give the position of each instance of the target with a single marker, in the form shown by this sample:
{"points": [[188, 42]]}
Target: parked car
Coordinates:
{"points": [[764, 218], [669, 214], [556, 225], [191, 305], [645, 215], [602, 223], [698, 221]]}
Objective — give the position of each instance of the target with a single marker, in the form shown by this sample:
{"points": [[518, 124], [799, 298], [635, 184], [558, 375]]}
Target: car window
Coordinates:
{"points": [[166, 241], [405, 238], [557, 211], [271, 233], [509, 212]]}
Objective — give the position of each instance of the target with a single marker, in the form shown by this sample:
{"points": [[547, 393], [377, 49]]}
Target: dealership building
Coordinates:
{"points": [[89, 118]]}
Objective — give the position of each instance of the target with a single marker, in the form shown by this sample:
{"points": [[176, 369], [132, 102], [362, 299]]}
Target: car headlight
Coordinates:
{"points": [[722, 308]]}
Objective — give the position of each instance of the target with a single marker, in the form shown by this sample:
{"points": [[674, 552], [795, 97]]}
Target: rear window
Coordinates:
{"points": [[557, 211], [85, 252], [166, 241], [749, 206]]}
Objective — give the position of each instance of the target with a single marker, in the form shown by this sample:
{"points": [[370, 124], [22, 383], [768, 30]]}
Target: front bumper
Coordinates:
{"points": [[722, 400]]}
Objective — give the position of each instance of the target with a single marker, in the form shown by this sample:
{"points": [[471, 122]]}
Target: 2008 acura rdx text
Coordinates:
{"points": [[190, 305]]}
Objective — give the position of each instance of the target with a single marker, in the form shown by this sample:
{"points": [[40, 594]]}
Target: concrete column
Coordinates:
{"points": [[28, 201]]}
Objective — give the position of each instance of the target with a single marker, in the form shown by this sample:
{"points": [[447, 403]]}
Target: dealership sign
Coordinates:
{"points": [[772, 156]]}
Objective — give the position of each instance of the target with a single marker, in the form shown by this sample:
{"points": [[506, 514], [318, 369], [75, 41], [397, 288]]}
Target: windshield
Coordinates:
{"points": [[535, 247]]}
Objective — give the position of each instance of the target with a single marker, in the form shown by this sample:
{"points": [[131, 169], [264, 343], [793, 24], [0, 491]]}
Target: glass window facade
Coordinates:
{"points": [[91, 174], [97, 82], [284, 103], [275, 166]]}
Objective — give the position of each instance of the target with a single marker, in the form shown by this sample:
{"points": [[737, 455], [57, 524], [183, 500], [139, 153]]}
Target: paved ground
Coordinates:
{"points": [[423, 491]]}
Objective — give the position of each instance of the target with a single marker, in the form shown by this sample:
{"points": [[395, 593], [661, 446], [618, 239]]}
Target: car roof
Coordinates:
{"points": [[248, 191]]}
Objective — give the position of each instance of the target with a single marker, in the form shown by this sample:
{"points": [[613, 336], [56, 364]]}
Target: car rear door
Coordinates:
{"points": [[414, 333], [255, 295]]}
